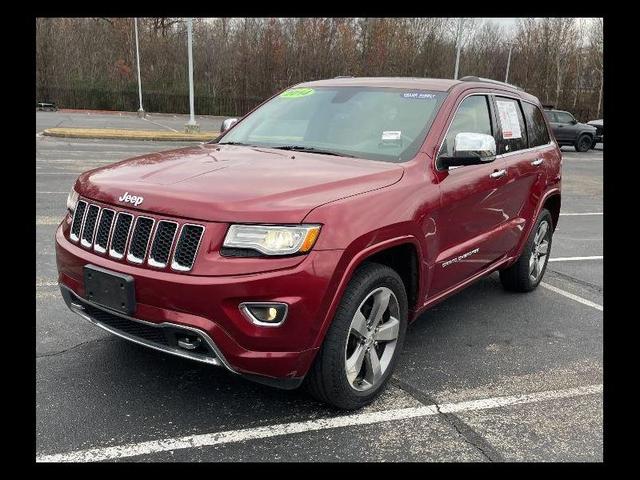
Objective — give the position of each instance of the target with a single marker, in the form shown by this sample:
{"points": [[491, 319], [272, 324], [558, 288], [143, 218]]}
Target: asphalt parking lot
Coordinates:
{"points": [[485, 376]]}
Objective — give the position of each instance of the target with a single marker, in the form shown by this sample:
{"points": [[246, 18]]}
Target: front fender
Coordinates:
{"points": [[351, 259]]}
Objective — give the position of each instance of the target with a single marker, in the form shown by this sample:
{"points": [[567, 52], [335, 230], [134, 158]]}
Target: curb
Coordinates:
{"points": [[119, 134]]}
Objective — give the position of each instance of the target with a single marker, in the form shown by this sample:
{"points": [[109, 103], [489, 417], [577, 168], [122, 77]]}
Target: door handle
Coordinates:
{"points": [[537, 162], [498, 173]]}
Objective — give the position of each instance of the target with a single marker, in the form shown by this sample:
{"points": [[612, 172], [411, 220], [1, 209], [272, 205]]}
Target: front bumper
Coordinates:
{"points": [[207, 306]]}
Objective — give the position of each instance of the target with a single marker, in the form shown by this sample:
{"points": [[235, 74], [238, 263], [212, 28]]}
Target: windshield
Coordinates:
{"points": [[386, 124]]}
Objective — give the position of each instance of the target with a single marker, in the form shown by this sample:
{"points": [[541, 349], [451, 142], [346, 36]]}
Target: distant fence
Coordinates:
{"points": [[152, 101]]}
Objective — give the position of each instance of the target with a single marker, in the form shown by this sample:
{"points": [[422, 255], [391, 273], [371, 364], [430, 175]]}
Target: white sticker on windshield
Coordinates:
{"points": [[508, 120], [418, 95], [391, 135]]}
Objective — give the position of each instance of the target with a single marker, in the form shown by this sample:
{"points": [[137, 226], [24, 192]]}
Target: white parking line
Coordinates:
{"points": [[37, 192], [235, 436], [48, 220], [580, 214], [578, 299], [575, 259], [159, 124]]}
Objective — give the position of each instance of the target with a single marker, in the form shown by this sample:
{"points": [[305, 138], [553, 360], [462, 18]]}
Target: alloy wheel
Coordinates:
{"points": [[540, 251], [372, 339]]}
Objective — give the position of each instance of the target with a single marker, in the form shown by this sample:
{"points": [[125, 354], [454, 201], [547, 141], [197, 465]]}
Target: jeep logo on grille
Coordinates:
{"points": [[131, 199]]}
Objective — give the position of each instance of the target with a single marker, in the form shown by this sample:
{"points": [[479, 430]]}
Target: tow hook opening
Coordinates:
{"points": [[189, 342]]}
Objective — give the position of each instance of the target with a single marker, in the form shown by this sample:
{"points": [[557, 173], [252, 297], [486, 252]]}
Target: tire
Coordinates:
{"points": [[329, 380], [583, 143], [519, 277]]}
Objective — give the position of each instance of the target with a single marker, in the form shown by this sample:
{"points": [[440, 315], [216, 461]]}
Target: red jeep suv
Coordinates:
{"points": [[298, 245]]}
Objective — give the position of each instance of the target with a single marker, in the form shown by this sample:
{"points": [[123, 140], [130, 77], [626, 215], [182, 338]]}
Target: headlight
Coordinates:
{"points": [[272, 239], [72, 199]]}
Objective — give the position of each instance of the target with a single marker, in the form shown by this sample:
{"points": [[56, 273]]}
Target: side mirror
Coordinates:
{"points": [[573, 122], [227, 124], [470, 149]]}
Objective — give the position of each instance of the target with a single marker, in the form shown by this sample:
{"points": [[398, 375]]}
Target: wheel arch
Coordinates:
{"points": [[403, 254], [552, 203]]}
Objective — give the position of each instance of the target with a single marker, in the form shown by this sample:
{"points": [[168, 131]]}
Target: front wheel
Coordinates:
{"points": [[527, 272], [362, 344]]}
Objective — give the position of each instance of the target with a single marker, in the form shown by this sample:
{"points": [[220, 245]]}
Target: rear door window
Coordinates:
{"points": [[512, 134], [536, 127]]}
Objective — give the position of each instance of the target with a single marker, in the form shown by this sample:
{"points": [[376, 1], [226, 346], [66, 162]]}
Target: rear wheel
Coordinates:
{"points": [[527, 272], [362, 345], [583, 143]]}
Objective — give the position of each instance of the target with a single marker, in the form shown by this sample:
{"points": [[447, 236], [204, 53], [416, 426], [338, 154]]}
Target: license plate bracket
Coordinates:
{"points": [[110, 289]]}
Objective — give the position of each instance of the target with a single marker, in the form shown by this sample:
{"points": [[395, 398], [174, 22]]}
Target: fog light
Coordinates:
{"points": [[267, 314]]}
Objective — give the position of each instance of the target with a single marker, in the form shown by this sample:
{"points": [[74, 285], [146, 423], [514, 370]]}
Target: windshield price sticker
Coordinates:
{"points": [[297, 92], [509, 120], [391, 135], [418, 95]]}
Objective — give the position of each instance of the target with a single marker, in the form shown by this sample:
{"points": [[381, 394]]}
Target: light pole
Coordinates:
{"points": [[191, 125], [506, 76], [140, 110], [458, 46]]}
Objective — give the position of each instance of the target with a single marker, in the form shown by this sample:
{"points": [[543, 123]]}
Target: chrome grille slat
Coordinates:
{"points": [[187, 247], [140, 239], [89, 227], [162, 243], [78, 219], [120, 235], [168, 244], [104, 230]]}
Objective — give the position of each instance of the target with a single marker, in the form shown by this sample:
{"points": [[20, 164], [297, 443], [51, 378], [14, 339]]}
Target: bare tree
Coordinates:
{"points": [[90, 62]]}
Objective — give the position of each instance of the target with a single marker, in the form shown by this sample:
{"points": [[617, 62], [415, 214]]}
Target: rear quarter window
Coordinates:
{"points": [[536, 127]]}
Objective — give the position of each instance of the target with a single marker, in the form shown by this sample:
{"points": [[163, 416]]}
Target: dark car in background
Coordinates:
{"points": [[599, 131], [568, 131]]}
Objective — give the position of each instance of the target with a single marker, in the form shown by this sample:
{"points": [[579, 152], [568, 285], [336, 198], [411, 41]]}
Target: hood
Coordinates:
{"points": [[223, 183]]}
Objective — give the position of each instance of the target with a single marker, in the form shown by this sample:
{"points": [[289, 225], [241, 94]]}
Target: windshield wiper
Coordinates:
{"points": [[236, 143], [300, 148]]}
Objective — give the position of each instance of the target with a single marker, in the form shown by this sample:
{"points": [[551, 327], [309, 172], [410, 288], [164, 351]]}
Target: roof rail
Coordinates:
{"points": [[344, 76], [471, 78]]}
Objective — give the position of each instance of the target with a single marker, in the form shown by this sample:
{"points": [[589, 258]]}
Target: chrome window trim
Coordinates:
{"points": [[96, 247], [249, 316], [177, 266], [150, 260], [113, 253], [79, 309], [524, 150], [502, 155], [130, 257], [84, 225], [72, 236]]}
